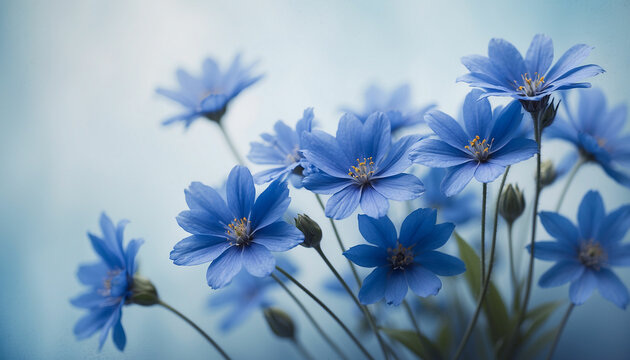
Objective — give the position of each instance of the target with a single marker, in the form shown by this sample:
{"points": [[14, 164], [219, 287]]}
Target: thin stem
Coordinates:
{"points": [[191, 323], [323, 306], [341, 246], [363, 308], [483, 232], [310, 318], [486, 281], [515, 284], [228, 140], [563, 323], [302, 349], [414, 322], [574, 171]]}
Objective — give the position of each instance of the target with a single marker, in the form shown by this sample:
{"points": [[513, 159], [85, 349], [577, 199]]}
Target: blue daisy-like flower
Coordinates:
{"points": [[505, 73], [483, 150], [360, 165], [247, 294], [456, 209], [596, 132], [209, 95], [408, 261], [110, 281], [396, 104], [283, 151], [585, 254], [236, 235]]}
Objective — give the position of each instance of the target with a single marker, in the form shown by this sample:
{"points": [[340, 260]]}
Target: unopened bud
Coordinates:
{"points": [[547, 173], [311, 230], [549, 114], [535, 106], [280, 322], [512, 203], [143, 292]]}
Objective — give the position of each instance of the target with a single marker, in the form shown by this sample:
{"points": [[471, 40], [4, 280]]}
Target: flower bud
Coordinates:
{"points": [[547, 173], [143, 292], [549, 114], [535, 106], [512, 203], [312, 232], [280, 322]]}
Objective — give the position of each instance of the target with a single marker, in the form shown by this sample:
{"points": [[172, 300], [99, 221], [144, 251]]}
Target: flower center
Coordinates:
{"points": [[107, 282], [238, 232], [363, 171], [293, 157], [400, 257], [530, 87], [592, 254], [480, 150]]}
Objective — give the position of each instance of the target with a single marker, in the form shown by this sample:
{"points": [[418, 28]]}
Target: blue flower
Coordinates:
{"points": [[405, 261], [360, 166], [282, 150], [246, 294], [110, 281], [505, 73], [584, 254], [209, 95], [596, 132], [483, 150], [395, 104], [241, 233], [456, 209]]}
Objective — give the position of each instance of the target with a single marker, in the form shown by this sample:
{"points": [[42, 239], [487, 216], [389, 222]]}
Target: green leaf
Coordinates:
{"points": [[538, 345], [538, 316], [494, 306], [409, 338]]}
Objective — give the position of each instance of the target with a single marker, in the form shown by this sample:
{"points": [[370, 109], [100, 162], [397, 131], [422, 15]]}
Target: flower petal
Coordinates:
{"points": [[367, 255], [118, 335], [614, 226], [376, 136], [457, 177], [323, 151], [440, 263], [559, 227], [397, 159], [343, 203], [417, 226], [380, 232], [582, 288], [270, 205], [422, 281], [553, 251], [373, 203], [399, 187], [515, 151], [322, 183], [488, 171], [279, 236], [348, 136], [438, 236], [506, 125], [198, 249], [569, 60], [373, 288], [539, 55], [258, 260], [612, 288], [477, 114], [619, 255], [449, 130], [225, 267], [437, 153], [240, 192], [396, 287], [507, 59], [591, 214], [561, 273]]}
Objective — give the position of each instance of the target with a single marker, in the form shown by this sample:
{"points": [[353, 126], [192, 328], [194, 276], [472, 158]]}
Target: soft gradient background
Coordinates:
{"points": [[81, 134]]}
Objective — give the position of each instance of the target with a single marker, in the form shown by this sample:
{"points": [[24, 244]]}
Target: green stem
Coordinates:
{"points": [[362, 307], [414, 322], [486, 282], [483, 232], [310, 318], [228, 140], [355, 273], [574, 171], [323, 306], [515, 285], [301, 349], [563, 323], [191, 323]]}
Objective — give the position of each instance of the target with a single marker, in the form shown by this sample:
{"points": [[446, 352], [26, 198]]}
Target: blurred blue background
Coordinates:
{"points": [[81, 134]]}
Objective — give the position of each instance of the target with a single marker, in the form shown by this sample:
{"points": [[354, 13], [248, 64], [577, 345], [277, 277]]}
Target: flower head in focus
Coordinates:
{"points": [[483, 148], [596, 132], [457, 209], [239, 233], [209, 95], [246, 294], [283, 151], [585, 254], [405, 261], [505, 73], [360, 166], [396, 104], [110, 281]]}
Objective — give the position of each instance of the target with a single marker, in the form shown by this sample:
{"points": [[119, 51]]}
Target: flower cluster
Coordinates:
{"points": [[362, 168]]}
